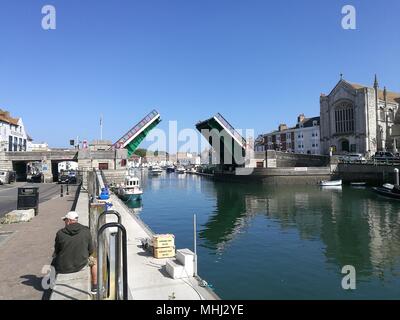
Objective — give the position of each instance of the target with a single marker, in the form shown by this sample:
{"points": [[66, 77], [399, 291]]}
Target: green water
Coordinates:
{"points": [[288, 242]]}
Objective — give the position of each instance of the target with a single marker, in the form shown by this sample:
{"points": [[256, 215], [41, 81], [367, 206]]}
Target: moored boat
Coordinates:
{"points": [[358, 184], [155, 170], [180, 170], [130, 190], [393, 193], [170, 169], [331, 183]]}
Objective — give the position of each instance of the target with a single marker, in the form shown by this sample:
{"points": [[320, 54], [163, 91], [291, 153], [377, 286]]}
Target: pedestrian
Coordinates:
{"points": [[73, 249]]}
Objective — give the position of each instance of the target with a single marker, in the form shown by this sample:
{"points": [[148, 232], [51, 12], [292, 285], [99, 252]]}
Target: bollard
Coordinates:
{"points": [[67, 193], [396, 176], [62, 191]]}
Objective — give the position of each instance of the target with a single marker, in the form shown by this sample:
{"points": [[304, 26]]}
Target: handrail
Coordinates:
{"points": [[124, 260], [116, 213], [232, 130], [149, 117]]}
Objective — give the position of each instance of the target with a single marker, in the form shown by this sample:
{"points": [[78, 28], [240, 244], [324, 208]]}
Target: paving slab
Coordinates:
{"points": [[27, 248]]}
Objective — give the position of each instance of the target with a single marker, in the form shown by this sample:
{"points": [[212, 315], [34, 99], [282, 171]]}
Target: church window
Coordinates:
{"points": [[391, 115], [381, 114], [344, 118]]}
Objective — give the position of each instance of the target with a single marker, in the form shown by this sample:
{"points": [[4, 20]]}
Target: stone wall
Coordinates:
{"points": [[275, 176], [372, 174], [277, 159]]}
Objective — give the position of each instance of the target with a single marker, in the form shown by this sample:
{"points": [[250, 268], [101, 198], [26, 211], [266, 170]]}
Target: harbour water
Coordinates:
{"points": [[258, 242]]}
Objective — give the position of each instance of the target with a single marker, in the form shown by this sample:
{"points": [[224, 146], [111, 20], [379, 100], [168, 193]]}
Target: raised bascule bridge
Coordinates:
{"points": [[225, 140], [132, 139]]}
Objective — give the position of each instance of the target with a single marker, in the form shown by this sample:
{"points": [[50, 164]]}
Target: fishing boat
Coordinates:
{"points": [[130, 190], [155, 170], [180, 170], [332, 183]]}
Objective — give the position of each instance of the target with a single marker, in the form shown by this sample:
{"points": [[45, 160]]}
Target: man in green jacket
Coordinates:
{"points": [[73, 248]]}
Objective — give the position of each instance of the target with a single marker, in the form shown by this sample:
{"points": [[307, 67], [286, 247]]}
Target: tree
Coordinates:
{"points": [[140, 152]]}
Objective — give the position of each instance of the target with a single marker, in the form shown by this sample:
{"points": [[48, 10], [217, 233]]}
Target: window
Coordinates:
{"points": [[381, 114], [103, 166], [15, 146], [10, 143], [391, 115], [24, 144], [344, 118]]}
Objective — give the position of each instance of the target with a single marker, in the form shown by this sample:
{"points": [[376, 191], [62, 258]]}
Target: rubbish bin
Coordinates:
{"points": [[28, 198]]}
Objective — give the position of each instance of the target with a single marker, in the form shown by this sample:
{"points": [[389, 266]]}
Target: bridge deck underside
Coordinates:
{"points": [[226, 150], [134, 144]]}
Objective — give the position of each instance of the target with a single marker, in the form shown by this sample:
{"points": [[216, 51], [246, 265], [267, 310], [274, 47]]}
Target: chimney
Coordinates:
{"points": [[300, 118]]}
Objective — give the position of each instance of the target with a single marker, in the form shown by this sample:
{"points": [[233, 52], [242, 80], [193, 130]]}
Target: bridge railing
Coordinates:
{"points": [[231, 129], [147, 119]]}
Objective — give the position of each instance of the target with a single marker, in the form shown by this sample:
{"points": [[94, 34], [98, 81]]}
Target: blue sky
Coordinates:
{"points": [[259, 63]]}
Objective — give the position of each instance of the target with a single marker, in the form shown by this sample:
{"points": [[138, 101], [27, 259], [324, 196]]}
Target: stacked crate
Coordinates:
{"points": [[163, 246]]}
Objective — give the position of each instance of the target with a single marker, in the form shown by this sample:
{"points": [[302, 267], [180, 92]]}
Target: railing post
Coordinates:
{"points": [[62, 191], [67, 193], [396, 176], [100, 245]]}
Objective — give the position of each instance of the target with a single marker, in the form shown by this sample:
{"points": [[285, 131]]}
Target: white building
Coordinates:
{"points": [[302, 138], [13, 136]]}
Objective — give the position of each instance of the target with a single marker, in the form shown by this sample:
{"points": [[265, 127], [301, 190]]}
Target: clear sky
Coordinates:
{"points": [[259, 63]]}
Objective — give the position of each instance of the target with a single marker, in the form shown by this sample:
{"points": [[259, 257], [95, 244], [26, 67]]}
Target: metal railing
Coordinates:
{"points": [[147, 119], [231, 129], [103, 291], [375, 162]]}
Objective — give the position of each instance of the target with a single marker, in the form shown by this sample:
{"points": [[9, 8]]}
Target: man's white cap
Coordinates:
{"points": [[72, 215]]}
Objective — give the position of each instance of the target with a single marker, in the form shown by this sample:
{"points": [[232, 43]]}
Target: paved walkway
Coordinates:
{"points": [[28, 249]]}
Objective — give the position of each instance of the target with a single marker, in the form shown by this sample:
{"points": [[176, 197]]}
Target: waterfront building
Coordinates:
{"points": [[358, 118], [304, 137], [13, 136]]}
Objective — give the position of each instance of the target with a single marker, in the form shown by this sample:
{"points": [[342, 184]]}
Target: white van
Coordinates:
{"points": [[7, 176]]}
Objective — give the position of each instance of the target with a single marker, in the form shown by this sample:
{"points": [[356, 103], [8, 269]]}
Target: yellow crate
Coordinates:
{"points": [[160, 253], [163, 240]]}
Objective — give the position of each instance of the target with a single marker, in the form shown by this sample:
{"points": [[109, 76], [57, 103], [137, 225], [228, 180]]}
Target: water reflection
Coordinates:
{"points": [[354, 226]]}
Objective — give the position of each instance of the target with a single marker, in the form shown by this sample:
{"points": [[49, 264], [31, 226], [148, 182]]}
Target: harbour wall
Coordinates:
{"points": [[278, 159], [275, 176], [370, 173]]}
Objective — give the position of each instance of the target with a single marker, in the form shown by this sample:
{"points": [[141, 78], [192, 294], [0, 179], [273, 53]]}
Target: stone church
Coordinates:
{"points": [[360, 119]]}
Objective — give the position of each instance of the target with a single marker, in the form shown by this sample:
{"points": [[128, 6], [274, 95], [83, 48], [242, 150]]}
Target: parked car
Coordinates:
{"points": [[67, 177], [353, 157], [384, 156]]}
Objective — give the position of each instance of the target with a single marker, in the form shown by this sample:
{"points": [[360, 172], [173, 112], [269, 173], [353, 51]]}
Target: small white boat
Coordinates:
{"points": [[332, 183], [155, 170], [130, 190], [180, 170], [358, 184]]}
